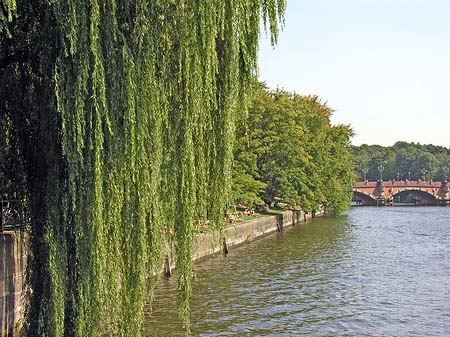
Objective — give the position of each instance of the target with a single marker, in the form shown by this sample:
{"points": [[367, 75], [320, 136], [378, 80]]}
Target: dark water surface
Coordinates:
{"points": [[373, 272]]}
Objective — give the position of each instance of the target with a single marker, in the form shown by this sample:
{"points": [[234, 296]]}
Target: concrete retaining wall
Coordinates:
{"points": [[12, 271], [212, 243], [13, 257]]}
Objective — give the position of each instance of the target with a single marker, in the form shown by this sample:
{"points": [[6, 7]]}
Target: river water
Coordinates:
{"points": [[372, 272]]}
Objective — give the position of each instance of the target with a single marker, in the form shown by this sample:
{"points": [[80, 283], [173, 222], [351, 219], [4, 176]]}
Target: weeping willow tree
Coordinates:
{"points": [[123, 114]]}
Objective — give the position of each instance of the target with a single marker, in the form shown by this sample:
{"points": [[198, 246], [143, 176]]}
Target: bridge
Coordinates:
{"points": [[389, 193]]}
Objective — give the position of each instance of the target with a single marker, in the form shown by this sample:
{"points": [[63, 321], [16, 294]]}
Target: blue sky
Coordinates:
{"points": [[383, 66]]}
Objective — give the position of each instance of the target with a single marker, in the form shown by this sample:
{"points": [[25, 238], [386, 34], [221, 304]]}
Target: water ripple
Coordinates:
{"points": [[374, 272]]}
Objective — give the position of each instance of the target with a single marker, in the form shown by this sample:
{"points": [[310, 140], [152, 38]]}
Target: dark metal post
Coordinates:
{"points": [[2, 228], [167, 271]]}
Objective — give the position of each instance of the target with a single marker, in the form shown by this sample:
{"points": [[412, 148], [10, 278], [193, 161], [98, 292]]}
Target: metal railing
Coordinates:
{"points": [[10, 215]]}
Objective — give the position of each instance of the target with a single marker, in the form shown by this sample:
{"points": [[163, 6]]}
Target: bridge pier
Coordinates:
{"points": [[381, 202], [445, 201]]}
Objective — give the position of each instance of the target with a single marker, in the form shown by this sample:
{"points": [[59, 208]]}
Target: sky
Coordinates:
{"points": [[383, 66]]}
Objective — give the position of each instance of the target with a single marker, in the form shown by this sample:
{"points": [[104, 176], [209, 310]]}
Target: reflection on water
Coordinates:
{"points": [[372, 272]]}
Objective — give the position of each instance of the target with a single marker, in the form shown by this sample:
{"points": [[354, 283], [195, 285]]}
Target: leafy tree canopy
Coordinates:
{"points": [[402, 161], [288, 150]]}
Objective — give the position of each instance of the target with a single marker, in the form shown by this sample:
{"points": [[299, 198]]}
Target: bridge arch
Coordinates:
{"points": [[364, 199], [421, 197]]}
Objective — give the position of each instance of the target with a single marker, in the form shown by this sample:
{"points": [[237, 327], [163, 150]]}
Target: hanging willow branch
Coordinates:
{"points": [[7, 12], [132, 123]]}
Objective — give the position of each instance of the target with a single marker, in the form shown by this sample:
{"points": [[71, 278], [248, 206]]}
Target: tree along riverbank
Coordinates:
{"points": [[287, 151]]}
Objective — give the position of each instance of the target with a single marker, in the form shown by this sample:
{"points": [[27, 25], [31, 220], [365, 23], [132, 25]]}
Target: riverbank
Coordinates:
{"points": [[212, 243], [13, 256]]}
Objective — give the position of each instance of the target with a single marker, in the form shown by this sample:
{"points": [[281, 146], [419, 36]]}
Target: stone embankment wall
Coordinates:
{"points": [[13, 254], [211, 243], [13, 251]]}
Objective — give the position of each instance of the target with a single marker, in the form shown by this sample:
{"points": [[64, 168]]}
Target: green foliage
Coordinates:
{"points": [[402, 161], [289, 146], [7, 12], [123, 114]]}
